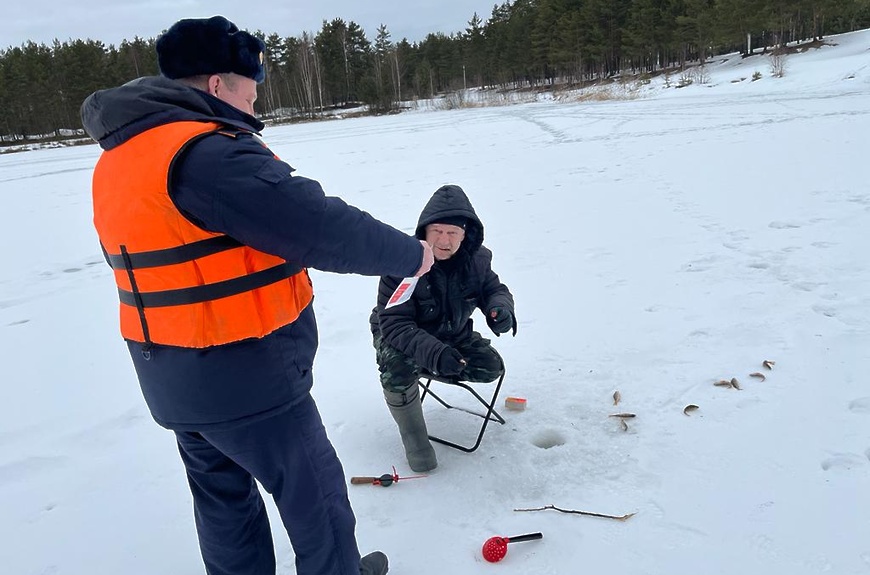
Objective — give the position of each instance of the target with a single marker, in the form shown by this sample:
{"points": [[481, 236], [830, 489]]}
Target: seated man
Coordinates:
{"points": [[433, 331]]}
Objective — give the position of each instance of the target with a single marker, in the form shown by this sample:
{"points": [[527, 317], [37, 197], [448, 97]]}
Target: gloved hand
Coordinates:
{"points": [[450, 363], [500, 321]]}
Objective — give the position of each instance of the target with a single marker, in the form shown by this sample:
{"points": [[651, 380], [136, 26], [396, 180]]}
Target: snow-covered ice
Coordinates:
{"points": [[654, 246]]}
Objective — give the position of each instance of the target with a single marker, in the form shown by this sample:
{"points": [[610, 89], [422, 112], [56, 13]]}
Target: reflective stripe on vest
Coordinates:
{"points": [[179, 284]]}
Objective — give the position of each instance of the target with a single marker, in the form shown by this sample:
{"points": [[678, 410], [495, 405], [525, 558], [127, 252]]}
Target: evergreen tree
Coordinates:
{"points": [[695, 30], [474, 52], [77, 68], [378, 87], [738, 22], [649, 33], [32, 108], [358, 61], [330, 44]]}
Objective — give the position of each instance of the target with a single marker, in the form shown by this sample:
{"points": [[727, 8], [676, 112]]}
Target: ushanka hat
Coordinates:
{"points": [[197, 46]]}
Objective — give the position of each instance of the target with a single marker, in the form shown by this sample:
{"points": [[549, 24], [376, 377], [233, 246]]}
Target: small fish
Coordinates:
{"points": [[768, 363], [623, 415], [616, 397], [690, 408], [624, 425], [758, 375], [723, 383], [735, 384]]}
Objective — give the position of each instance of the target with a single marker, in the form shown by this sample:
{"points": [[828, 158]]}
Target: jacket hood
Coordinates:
{"points": [[113, 116], [451, 201]]}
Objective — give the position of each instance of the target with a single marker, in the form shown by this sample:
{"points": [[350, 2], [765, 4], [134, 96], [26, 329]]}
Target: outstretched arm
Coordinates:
{"points": [[237, 187]]}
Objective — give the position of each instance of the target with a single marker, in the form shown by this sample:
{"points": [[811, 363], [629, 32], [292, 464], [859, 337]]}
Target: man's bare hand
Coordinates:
{"points": [[428, 259]]}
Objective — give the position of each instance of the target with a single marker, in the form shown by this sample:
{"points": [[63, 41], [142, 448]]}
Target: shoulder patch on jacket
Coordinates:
{"points": [[231, 132], [273, 171]]}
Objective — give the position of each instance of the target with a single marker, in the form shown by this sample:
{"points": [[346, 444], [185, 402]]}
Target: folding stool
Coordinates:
{"points": [[425, 381]]}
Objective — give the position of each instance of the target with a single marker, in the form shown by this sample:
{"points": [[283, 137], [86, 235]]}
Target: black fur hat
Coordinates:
{"points": [[213, 45]]}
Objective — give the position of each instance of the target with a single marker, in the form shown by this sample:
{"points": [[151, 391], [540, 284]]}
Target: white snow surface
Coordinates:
{"points": [[654, 246]]}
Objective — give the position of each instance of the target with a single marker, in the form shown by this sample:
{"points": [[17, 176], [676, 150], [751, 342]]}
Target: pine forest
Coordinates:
{"points": [[522, 45]]}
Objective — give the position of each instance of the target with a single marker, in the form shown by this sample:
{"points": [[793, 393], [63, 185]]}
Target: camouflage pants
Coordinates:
{"points": [[399, 372]]}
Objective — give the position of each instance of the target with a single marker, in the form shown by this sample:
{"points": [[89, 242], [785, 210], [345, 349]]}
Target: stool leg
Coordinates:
{"points": [[407, 411], [490, 415]]}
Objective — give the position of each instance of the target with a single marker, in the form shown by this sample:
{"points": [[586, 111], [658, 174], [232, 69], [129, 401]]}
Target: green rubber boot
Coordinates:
{"points": [[407, 410]]}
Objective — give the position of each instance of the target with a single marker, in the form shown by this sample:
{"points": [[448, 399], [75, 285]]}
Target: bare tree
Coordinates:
{"points": [[397, 78], [777, 63], [310, 78]]}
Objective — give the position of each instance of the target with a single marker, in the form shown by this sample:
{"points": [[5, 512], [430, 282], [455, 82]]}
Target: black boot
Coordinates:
{"points": [[407, 410], [375, 563]]}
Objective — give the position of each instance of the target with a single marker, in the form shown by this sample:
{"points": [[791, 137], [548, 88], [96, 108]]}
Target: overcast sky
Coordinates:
{"points": [[115, 20]]}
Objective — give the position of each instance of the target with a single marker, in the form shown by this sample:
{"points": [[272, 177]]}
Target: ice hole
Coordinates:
{"points": [[547, 439]]}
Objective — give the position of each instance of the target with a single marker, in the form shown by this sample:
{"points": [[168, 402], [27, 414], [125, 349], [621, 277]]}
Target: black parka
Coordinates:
{"points": [[438, 314]]}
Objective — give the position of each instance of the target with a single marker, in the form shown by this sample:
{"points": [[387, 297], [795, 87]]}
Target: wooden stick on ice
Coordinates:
{"points": [[591, 514]]}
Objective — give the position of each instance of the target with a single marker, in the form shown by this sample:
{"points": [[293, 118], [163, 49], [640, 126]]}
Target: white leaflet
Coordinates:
{"points": [[403, 292]]}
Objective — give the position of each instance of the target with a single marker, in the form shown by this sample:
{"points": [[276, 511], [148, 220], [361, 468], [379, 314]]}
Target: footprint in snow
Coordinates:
{"points": [[784, 225], [804, 286], [701, 265], [842, 462], [824, 310], [860, 405], [28, 467]]}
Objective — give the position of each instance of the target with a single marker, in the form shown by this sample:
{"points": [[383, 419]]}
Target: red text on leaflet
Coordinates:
{"points": [[398, 294]]}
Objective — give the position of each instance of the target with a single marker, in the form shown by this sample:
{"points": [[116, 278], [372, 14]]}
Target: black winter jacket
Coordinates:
{"points": [[438, 315]]}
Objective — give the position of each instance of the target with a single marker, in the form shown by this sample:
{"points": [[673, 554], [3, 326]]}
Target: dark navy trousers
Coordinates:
{"points": [[293, 459]]}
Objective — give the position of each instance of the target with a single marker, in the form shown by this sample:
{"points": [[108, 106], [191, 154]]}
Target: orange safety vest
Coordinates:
{"points": [[180, 285]]}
